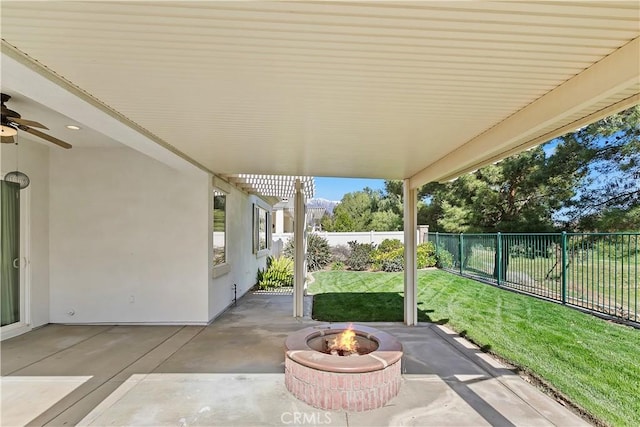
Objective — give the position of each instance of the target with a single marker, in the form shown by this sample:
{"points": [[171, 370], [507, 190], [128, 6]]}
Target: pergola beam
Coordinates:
{"points": [[612, 75], [282, 186]]}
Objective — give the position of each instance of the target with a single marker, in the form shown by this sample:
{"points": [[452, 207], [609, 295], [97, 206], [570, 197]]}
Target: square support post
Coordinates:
{"points": [[300, 245], [410, 254]]}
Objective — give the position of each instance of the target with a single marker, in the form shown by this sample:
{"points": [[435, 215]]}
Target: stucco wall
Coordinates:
{"points": [[34, 161], [117, 237], [242, 264], [128, 239]]}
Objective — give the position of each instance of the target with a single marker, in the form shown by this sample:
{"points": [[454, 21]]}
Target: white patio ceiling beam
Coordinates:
{"points": [[611, 75]]}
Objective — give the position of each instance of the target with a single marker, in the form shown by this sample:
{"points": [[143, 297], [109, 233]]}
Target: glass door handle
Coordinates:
{"points": [[16, 263]]}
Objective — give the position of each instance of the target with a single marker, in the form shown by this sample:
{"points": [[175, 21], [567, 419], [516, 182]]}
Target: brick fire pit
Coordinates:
{"points": [[358, 382]]}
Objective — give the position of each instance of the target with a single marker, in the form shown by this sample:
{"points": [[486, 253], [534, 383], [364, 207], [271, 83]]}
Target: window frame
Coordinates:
{"points": [[220, 268], [261, 224]]}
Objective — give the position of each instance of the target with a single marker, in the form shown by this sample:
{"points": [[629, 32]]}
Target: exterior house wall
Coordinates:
{"points": [[117, 237], [242, 264], [128, 239], [34, 161]]}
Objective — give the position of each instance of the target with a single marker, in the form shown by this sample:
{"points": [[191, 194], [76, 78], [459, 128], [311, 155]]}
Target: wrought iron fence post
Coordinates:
{"points": [[437, 244], [461, 253], [564, 267], [498, 257]]}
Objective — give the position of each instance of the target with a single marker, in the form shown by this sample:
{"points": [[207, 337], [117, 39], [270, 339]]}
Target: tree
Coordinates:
{"points": [[518, 194], [607, 154], [353, 213], [580, 180], [613, 220], [385, 221], [326, 222]]}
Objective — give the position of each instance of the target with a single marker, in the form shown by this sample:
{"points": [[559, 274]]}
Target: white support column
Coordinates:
{"points": [[279, 221], [300, 251], [423, 233], [410, 254]]}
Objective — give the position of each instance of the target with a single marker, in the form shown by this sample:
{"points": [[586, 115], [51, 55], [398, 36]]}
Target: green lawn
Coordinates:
{"points": [[595, 280], [594, 363]]}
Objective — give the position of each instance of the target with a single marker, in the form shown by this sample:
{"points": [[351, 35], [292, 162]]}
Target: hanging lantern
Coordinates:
{"points": [[16, 176], [19, 178]]}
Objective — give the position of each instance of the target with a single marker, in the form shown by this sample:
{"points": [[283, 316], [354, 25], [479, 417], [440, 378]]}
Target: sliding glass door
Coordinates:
{"points": [[10, 308]]}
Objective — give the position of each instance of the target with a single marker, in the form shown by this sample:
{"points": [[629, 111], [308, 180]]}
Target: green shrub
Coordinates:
{"points": [[318, 252], [393, 265], [279, 273], [389, 245], [388, 255], [393, 260], [338, 266], [426, 255], [379, 258], [444, 258], [260, 275], [360, 256]]}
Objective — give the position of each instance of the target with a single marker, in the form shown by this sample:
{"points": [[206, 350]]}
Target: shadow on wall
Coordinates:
{"points": [[365, 307]]}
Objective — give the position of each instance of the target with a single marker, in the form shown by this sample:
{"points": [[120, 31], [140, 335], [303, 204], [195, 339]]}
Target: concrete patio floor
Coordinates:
{"points": [[231, 373]]}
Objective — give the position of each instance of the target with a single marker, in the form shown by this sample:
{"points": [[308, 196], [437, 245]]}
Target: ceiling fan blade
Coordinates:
{"points": [[28, 123], [7, 140], [45, 136]]}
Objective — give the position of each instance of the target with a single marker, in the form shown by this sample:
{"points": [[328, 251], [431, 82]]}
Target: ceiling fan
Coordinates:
{"points": [[12, 122]]}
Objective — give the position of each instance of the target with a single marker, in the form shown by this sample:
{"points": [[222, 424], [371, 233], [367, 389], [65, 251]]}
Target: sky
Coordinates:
{"points": [[335, 188]]}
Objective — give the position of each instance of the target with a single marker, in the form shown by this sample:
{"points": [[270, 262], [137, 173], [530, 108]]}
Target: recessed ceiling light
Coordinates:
{"points": [[73, 127]]}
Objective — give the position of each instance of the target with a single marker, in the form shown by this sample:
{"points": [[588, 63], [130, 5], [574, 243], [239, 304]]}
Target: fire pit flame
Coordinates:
{"points": [[344, 344]]}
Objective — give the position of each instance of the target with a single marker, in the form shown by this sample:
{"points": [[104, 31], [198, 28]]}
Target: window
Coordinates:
{"points": [[261, 229], [219, 227]]}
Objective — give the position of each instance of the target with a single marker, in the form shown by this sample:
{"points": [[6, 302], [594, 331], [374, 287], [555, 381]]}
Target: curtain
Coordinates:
{"points": [[9, 252]]}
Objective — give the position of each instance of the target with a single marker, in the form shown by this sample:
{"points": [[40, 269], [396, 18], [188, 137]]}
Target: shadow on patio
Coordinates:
{"points": [[231, 373]]}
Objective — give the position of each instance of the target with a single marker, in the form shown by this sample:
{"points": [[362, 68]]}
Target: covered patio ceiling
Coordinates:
{"points": [[400, 90]]}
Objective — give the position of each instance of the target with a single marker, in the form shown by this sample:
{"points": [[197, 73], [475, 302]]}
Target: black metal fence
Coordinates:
{"points": [[594, 271]]}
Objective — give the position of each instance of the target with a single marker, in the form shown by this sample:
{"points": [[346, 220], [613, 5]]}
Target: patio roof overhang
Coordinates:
{"points": [[419, 91]]}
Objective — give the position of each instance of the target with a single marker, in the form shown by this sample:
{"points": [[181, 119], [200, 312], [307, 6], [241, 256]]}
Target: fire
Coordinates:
{"points": [[345, 344]]}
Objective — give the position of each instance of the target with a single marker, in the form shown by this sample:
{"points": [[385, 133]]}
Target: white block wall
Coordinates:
{"points": [[339, 238]]}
